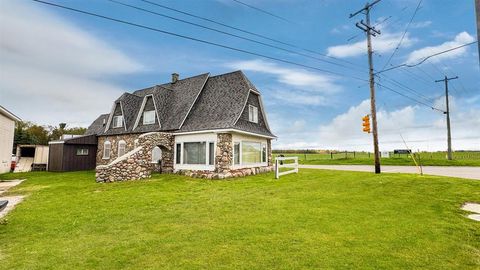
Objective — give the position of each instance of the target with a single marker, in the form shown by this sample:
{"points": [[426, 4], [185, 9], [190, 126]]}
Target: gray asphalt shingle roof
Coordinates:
{"points": [[197, 103]]}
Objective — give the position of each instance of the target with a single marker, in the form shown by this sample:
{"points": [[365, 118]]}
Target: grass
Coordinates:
{"points": [[363, 159], [315, 219]]}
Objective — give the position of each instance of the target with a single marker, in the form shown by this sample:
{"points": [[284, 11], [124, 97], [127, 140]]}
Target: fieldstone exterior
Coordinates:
{"points": [[224, 153], [137, 163], [114, 139]]}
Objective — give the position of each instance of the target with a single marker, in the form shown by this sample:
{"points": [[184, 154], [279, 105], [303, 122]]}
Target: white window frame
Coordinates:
{"points": [[115, 121], [149, 122], [252, 113], [249, 165], [105, 156], [82, 151], [120, 144], [161, 153]]}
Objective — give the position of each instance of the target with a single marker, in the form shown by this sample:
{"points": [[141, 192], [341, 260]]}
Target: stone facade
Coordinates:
{"points": [[137, 163], [224, 153], [114, 139]]}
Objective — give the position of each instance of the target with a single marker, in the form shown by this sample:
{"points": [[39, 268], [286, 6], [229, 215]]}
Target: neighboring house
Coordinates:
{"points": [[7, 132], [206, 126]]}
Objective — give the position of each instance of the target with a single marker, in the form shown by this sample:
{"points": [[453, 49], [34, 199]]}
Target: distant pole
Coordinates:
{"points": [[477, 10], [371, 31], [449, 135]]}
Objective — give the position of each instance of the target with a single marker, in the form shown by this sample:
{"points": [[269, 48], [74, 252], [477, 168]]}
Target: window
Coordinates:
{"points": [[264, 152], [251, 152], [156, 154], [107, 147], [121, 148], [236, 153], [148, 117], [118, 121], [252, 114], [178, 153], [82, 152], [194, 153], [211, 153]]}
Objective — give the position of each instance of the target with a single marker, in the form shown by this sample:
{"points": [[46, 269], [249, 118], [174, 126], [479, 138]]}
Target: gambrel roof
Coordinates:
{"points": [[202, 102]]}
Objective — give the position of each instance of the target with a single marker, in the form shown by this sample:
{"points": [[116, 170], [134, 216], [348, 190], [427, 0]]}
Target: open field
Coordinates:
{"points": [[316, 219], [364, 158]]}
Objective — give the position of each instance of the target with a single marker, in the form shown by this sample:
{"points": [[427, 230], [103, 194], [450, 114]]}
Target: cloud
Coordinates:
{"points": [[420, 128], [53, 71], [383, 43], [422, 24], [298, 78], [460, 39]]}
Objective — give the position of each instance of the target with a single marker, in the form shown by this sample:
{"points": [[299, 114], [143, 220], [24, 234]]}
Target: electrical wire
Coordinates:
{"points": [[263, 11], [195, 39]]}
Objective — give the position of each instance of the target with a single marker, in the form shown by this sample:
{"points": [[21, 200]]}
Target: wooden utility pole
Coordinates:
{"points": [[371, 31], [449, 135]]}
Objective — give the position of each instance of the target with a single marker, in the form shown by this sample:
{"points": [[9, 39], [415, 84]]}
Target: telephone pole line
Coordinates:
{"points": [[371, 31], [449, 135]]}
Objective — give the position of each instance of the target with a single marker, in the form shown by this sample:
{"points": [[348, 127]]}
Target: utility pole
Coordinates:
{"points": [[449, 135], [371, 31], [477, 10]]}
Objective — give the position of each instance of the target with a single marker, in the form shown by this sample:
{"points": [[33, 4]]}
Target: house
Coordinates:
{"points": [[203, 126], [72, 153], [7, 131]]}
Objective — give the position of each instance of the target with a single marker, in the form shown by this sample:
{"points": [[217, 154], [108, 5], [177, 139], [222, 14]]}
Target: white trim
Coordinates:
{"points": [[110, 116], [123, 116], [56, 142], [243, 108], [224, 131], [109, 151], [254, 117], [9, 114], [195, 100], [137, 121]]}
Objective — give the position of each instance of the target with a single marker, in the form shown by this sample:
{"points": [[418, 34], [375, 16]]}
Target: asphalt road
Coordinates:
{"points": [[452, 171]]}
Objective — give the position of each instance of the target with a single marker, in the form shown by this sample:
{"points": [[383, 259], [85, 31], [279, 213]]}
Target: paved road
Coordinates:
{"points": [[453, 171]]}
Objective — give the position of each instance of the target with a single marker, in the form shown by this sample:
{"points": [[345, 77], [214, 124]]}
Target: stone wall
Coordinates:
{"points": [[226, 174], [137, 163], [224, 153], [269, 152], [114, 139]]}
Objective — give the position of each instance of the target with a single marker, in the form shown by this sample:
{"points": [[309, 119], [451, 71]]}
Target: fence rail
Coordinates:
{"points": [[311, 155], [279, 163]]}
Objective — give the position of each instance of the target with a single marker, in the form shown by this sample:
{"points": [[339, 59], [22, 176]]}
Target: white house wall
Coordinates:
{"points": [[238, 137], [7, 130]]}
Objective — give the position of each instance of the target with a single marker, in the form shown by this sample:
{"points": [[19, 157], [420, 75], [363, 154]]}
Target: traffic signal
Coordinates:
{"points": [[366, 123]]}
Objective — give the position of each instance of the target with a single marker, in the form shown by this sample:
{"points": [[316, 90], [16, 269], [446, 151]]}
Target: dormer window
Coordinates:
{"points": [[117, 121], [148, 117], [252, 114]]}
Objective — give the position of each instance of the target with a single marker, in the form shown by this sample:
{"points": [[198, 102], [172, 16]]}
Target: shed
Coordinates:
{"points": [[31, 158], [74, 154]]}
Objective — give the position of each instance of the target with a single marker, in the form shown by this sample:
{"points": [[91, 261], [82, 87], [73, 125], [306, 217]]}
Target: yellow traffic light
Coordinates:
{"points": [[366, 123]]}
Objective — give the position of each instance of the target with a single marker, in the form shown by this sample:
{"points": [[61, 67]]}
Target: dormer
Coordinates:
{"points": [[147, 115], [116, 119]]}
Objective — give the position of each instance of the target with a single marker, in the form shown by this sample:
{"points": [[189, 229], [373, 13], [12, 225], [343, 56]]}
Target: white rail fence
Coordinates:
{"points": [[279, 163]]}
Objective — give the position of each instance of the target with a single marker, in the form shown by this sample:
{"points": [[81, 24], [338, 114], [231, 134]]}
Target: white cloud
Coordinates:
{"points": [[420, 128], [306, 80], [460, 39], [383, 43], [52, 71], [422, 24]]}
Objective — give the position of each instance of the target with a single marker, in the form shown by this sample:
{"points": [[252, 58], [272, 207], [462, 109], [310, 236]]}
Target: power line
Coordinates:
{"points": [[246, 31], [405, 96], [194, 39], [427, 57], [226, 33], [263, 11], [407, 88], [403, 35]]}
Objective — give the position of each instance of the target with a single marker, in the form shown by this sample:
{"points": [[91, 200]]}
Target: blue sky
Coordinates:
{"points": [[58, 66]]}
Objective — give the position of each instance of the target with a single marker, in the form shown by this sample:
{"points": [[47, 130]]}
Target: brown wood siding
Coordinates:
{"points": [[55, 157], [92, 139], [74, 162]]}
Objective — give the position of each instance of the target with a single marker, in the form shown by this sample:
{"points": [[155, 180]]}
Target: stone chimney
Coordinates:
{"points": [[175, 77]]}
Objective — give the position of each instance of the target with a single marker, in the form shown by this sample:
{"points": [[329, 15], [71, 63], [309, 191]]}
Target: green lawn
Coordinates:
{"points": [[363, 159], [315, 219]]}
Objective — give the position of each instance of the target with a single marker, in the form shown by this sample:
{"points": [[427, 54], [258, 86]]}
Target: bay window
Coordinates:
{"points": [[251, 152], [194, 153]]}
